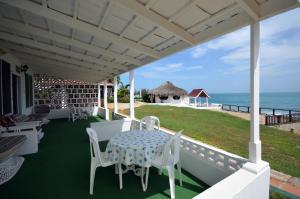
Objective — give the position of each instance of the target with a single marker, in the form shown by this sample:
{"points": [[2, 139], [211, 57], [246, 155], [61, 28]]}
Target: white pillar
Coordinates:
{"points": [[206, 101], [105, 101], [195, 101], [115, 94], [99, 95], [131, 82], [254, 144], [105, 94]]}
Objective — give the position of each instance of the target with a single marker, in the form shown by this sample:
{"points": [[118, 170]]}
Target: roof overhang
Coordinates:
{"points": [[96, 40]]}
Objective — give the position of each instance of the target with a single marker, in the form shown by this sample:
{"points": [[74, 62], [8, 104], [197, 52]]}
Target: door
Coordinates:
{"points": [[16, 80]]}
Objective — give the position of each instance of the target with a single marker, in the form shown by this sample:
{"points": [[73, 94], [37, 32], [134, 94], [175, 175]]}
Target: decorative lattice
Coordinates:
{"points": [[59, 93]]}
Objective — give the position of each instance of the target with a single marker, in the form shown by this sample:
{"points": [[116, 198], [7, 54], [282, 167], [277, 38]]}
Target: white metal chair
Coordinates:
{"points": [[97, 158], [83, 115], [168, 159], [73, 114], [149, 123]]}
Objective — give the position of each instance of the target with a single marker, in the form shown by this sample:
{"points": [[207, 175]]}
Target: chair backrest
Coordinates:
{"points": [[107, 129], [149, 123], [94, 146], [172, 149]]}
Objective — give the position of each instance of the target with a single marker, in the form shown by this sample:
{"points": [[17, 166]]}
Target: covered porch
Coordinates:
{"points": [[94, 42]]}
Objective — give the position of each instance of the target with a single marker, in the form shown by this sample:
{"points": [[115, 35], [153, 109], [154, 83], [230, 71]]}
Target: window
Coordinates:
{"points": [[176, 97], [5, 88], [29, 92], [163, 97]]}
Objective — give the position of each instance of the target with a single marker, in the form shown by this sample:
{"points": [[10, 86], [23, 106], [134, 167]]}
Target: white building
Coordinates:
{"points": [[167, 93]]}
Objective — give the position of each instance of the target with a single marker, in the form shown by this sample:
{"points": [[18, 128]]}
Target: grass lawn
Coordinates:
{"points": [[281, 149]]}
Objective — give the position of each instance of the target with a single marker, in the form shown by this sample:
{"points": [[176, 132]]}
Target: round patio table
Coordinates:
{"points": [[136, 147]]}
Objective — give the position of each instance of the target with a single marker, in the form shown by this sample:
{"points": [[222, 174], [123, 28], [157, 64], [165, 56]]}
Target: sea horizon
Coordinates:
{"points": [[277, 100]]}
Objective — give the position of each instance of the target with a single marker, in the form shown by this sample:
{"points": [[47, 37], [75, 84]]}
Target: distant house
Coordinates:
{"points": [[195, 97], [167, 93]]}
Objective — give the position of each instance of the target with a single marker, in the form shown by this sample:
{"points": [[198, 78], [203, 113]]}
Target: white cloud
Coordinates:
{"points": [[175, 67], [194, 68], [198, 52]]}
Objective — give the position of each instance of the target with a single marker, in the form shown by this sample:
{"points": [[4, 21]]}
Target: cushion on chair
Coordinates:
{"points": [[6, 121]]}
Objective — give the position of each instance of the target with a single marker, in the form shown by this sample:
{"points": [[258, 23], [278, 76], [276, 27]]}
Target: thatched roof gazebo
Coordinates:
{"points": [[167, 93]]}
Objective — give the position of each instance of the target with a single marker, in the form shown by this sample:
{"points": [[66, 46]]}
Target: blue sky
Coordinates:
{"points": [[222, 65]]}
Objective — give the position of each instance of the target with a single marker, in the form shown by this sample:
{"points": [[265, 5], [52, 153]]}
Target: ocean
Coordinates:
{"points": [[282, 100]]}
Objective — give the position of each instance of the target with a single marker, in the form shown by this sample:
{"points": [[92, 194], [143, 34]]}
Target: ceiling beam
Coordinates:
{"points": [[53, 66], [54, 49], [274, 7], [80, 25], [250, 7], [65, 40], [52, 56], [216, 16], [105, 14], [220, 29], [46, 69], [160, 21]]}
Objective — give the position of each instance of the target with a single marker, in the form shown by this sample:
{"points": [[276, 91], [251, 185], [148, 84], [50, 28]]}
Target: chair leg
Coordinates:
{"points": [[160, 171], [120, 176], [145, 183], [116, 169], [179, 170], [171, 180], [92, 178]]}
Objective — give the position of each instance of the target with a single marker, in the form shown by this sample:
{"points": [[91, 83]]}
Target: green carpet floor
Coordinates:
{"points": [[61, 170]]}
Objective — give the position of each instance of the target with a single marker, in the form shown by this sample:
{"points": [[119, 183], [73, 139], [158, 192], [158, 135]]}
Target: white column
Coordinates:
{"points": [[115, 94], [105, 94], [131, 82], [105, 101], [99, 95], [206, 101], [195, 101], [254, 144]]}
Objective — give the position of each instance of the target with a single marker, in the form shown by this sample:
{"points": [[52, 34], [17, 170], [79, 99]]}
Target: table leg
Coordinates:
{"points": [[120, 175]]}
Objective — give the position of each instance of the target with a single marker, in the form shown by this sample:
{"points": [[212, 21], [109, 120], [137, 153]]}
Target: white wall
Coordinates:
{"points": [[169, 100], [14, 61], [241, 185]]}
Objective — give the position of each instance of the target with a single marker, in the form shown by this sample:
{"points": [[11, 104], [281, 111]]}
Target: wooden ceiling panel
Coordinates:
{"points": [[10, 12], [61, 29], [91, 12], [167, 8], [65, 6], [213, 6], [190, 17]]}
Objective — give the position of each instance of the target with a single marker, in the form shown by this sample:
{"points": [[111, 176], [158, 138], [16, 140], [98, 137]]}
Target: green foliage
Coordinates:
{"points": [[145, 95], [279, 148]]}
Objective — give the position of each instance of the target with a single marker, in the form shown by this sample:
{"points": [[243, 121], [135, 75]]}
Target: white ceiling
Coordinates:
{"points": [[97, 39]]}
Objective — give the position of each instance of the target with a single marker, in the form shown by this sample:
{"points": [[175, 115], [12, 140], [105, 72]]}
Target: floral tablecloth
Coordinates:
{"points": [[136, 147]]}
